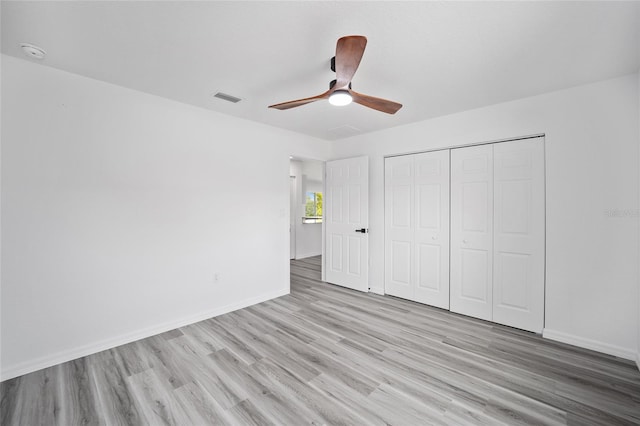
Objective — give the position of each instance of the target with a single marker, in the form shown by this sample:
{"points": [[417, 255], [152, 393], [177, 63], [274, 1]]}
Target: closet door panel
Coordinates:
{"points": [[518, 287], [399, 226], [472, 231], [431, 187]]}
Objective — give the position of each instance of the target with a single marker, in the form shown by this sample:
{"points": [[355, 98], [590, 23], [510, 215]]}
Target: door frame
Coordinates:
{"points": [[442, 148], [293, 200]]}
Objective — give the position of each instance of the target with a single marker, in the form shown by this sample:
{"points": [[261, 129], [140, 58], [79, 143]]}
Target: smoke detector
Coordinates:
{"points": [[33, 51]]}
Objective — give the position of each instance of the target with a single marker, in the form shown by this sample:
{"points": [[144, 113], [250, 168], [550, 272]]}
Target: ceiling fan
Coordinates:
{"points": [[349, 51]]}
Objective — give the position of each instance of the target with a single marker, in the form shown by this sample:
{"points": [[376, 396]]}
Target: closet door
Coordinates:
{"points": [[472, 231], [431, 233], [417, 227], [519, 229], [399, 226]]}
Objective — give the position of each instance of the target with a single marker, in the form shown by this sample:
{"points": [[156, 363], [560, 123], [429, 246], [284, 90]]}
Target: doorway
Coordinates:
{"points": [[306, 208]]}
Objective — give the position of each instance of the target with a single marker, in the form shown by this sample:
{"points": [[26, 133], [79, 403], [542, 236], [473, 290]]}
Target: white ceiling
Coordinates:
{"points": [[436, 58]]}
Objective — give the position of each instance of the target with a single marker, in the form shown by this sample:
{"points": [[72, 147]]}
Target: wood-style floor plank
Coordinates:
{"points": [[328, 355], [108, 373], [76, 396]]}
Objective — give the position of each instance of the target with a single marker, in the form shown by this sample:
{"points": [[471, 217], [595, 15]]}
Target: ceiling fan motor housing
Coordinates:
{"points": [[333, 83]]}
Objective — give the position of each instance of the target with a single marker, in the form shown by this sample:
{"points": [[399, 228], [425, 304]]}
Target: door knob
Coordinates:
{"points": [[362, 230], [434, 238], [464, 241]]}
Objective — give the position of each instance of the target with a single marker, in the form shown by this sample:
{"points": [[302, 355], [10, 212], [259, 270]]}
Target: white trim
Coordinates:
{"points": [[594, 345], [293, 203], [323, 266], [92, 348], [519, 138], [305, 255]]}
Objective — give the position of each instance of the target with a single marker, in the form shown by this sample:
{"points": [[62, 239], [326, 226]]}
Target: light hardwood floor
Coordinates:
{"points": [[328, 355]]}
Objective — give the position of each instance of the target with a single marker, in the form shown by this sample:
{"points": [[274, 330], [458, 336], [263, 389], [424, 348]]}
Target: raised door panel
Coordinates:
{"points": [[431, 233], [346, 210], [472, 231], [399, 226], [518, 289]]}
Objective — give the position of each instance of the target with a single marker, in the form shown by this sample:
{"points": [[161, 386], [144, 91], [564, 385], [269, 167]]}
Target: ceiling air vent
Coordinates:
{"points": [[343, 132], [226, 97]]}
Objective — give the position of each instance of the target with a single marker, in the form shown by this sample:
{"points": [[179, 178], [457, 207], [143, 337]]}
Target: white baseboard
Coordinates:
{"points": [[594, 345], [92, 348], [305, 255]]}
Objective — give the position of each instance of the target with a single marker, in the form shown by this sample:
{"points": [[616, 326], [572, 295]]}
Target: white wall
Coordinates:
{"points": [[592, 167], [308, 235], [119, 207], [313, 170]]}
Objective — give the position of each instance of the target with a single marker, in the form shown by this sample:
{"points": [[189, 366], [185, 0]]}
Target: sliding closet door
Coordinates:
{"points": [[519, 229], [472, 231], [399, 225], [431, 189], [417, 227]]}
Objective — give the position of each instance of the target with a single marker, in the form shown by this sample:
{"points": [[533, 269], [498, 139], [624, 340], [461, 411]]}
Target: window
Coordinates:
{"points": [[313, 208]]}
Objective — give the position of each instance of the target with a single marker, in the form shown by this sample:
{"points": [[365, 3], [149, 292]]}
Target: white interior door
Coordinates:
{"points": [[293, 217], [431, 170], [472, 231], [519, 229], [399, 226], [417, 227], [347, 222]]}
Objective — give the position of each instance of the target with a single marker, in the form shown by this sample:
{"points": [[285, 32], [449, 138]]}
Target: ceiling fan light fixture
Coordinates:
{"points": [[340, 98]]}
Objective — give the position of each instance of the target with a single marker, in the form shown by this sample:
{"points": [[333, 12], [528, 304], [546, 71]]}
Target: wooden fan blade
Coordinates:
{"points": [[349, 51], [300, 102], [379, 104]]}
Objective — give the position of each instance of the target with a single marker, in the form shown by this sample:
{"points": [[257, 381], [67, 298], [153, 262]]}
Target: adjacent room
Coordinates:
{"points": [[305, 203], [287, 213]]}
